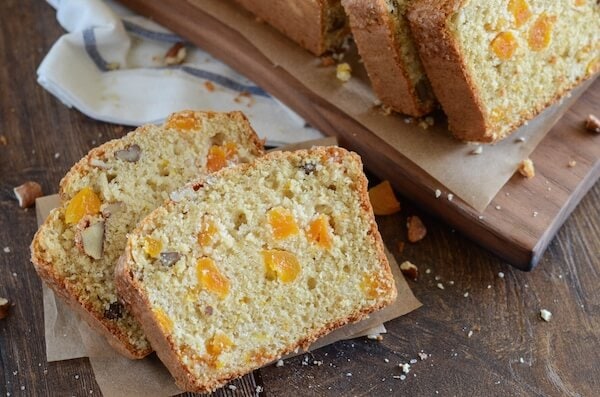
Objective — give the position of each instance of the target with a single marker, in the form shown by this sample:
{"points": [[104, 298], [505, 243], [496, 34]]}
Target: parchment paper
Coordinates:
{"points": [[68, 337], [474, 178]]}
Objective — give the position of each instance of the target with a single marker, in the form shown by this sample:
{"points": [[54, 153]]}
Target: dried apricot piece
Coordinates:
{"points": [[371, 286], [163, 319], [281, 264], [211, 279], [520, 10], [282, 223], [208, 230], [183, 121], [152, 247], [383, 199], [215, 346], [85, 202], [504, 45], [318, 232], [218, 156], [541, 32]]}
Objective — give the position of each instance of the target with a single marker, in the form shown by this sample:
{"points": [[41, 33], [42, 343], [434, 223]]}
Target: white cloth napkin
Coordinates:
{"points": [[110, 66]]}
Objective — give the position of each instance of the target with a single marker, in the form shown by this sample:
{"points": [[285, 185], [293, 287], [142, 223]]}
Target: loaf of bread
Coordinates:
{"points": [[263, 259], [385, 43], [494, 64], [317, 25], [105, 195]]}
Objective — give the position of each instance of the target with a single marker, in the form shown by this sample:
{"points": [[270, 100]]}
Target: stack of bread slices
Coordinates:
{"points": [[188, 240], [491, 64]]}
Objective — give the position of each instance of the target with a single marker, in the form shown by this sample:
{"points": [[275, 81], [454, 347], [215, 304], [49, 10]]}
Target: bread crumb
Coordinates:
{"points": [[409, 270], [438, 193], [521, 360], [6, 250], [279, 363], [423, 356], [500, 274], [450, 196], [440, 286], [535, 213], [210, 87], [231, 387], [386, 360], [498, 207], [176, 54], [56, 155], [572, 163], [477, 150], [259, 389], [592, 123], [527, 169], [489, 286], [466, 294], [520, 139], [470, 333], [349, 374], [377, 337], [405, 367], [546, 315], [343, 72]]}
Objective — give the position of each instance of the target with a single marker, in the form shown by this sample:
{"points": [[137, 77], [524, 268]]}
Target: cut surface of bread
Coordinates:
{"points": [[494, 64], [385, 43], [105, 195], [317, 25], [267, 257]]}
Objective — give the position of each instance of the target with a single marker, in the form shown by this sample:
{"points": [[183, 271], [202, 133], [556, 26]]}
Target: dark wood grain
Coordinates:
{"points": [[560, 357], [511, 233]]}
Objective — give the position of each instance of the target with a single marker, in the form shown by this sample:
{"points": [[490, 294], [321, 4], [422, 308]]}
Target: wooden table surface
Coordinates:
{"points": [[511, 351]]}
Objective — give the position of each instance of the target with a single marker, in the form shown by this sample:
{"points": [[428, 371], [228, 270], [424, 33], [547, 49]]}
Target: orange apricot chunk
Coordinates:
{"points": [[211, 279], [215, 346], [281, 264], [183, 121], [520, 11], [152, 247], [383, 199], [163, 319], [504, 45], [541, 32], [85, 202], [282, 223], [318, 232], [371, 286], [219, 155], [208, 229]]}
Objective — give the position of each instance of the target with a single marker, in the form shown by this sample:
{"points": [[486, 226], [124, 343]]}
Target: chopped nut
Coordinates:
{"points": [[114, 311], [27, 193], [169, 258], [409, 270], [4, 307], [210, 87], [546, 315], [343, 72], [130, 154], [176, 54], [327, 61], [526, 169], [91, 238], [416, 229], [593, 124]]}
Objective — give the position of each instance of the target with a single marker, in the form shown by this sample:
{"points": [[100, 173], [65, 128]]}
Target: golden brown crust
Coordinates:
{"points": [[374, 29], [131, 292], [303, 21], [446, 70]]}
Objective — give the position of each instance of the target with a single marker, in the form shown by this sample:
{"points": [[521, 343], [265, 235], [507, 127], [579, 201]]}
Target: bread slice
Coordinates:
{"points": [[268, 257], [317, 25], [385, 43], [104, 196], [494, 64]]}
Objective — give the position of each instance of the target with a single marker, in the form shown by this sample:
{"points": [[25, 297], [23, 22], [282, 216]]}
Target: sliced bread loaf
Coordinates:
{"points": [[105, 195], [495, 64], [385, 43], [317, 25], [263, 259]]}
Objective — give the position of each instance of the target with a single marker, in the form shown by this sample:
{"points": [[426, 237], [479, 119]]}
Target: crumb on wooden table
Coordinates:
{"points": [[527, 169]]}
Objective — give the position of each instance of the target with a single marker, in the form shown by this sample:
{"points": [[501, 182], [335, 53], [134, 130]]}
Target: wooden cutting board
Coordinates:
{"points": [[519, 223]]}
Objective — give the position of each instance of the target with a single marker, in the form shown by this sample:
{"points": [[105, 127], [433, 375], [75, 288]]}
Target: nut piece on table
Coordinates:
{"points": [[27, 193], [4, 305], [416, 229], [593, 124], [527, 169], [410, 270], [176, 54]]}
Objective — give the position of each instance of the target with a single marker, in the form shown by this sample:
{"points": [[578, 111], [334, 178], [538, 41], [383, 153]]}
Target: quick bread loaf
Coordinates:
{"points": [[317, 25], [385, 43], [104, 196], [254, 262], [494, 64]]}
